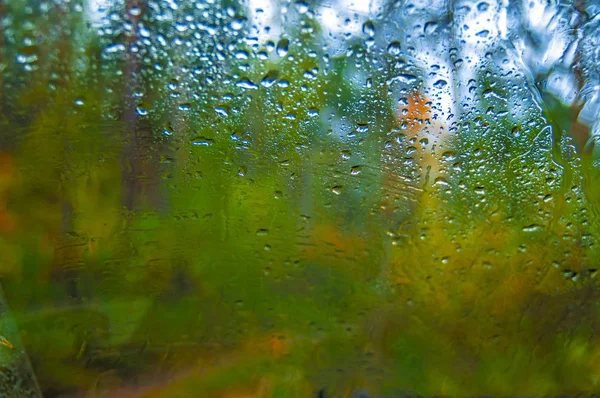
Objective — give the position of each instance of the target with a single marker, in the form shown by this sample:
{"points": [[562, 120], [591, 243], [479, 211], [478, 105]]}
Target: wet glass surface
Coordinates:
{"points": [[336, 198]]}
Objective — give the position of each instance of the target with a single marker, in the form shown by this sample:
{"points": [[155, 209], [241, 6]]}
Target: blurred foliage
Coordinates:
{"points": [[178, 220]]}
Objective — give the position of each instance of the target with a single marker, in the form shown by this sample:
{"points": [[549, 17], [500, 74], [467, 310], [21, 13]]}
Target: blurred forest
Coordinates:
{"points": [[187, 210]]}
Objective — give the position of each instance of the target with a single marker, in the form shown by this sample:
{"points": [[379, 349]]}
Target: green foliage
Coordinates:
{"points": [[160, 220]]}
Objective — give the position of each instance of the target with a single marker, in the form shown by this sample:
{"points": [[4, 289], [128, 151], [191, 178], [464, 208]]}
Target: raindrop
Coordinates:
{"points": [[337, 189], [394, 48], [362, 128], [283, 47], [202, 141], [430, 28], [483, 6], [302, 7], [221, 111], [269, 79], [440, 84], [369, 28], [238, 23], [246, 84], [532, 228], [242, 54], [406, 78]]}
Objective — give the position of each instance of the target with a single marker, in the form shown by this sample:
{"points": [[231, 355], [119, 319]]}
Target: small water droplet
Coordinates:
{"points": [[242, 54], [355, 170], [221, 111], [483, 6], [337, 189], [480, 190], [430, 28], [440, 84], [532, 228], [202, 141], [238, 23], [246, 84], [362, 128], [269, 79], [302, 7], [312, 112], [135, 11]]}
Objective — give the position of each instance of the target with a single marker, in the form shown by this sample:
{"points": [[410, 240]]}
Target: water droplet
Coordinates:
{"points": [[242, 171], [242, 54], [394, 48], [440, 84], [368, 28], [135, 11], [480, 190], [283, 47], [312, 112], [202, 141], [185, 107], [430, 28], [483, 6], [362, 128], [221, 111], [302, 7], [337, 189], [532, 228], [355, 170], [406, 79], [246, 84], [269, 79], [238, 23]]}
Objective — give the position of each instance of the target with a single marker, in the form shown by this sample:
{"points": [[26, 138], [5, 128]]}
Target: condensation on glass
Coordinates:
{"points": [[357, 198]]}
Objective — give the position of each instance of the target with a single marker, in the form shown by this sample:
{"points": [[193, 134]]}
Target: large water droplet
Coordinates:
{"points": [[394, 48], [369, 28], [283, 47]]}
